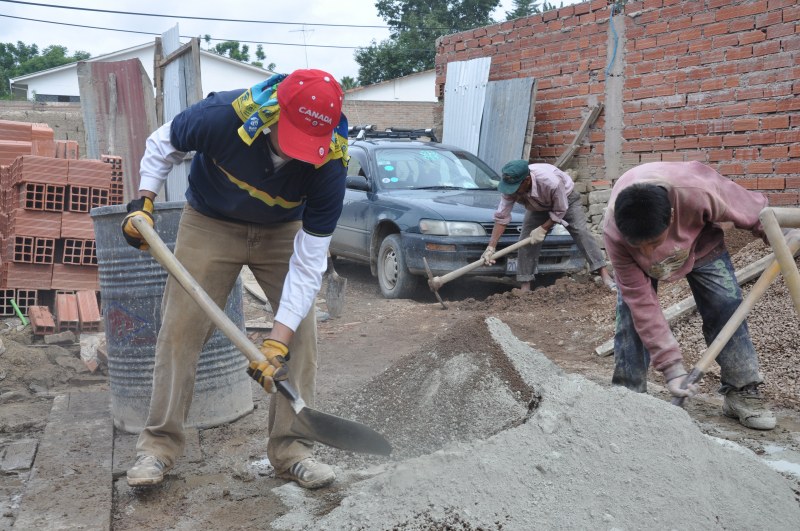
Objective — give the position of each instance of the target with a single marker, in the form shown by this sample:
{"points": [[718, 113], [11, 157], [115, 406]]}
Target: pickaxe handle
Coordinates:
{"points": [[716, 346], [437, 282]]}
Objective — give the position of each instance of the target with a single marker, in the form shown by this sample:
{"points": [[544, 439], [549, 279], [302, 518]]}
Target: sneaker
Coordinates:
{"points": [[148, 470], [309, 474], [747, 406]]}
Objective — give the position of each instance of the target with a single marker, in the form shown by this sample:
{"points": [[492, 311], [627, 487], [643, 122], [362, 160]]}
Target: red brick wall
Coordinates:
{"points": [[385, 114], [711, 80]]}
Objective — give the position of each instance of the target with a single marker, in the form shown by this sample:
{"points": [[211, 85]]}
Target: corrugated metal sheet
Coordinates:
{"points": [[119, 114], [464, 94], [177, 97], [506, 114]]}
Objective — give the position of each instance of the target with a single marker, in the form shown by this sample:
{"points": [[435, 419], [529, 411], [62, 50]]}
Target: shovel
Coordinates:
{"points": [[716, 346], [321, 427], [334, 295]]}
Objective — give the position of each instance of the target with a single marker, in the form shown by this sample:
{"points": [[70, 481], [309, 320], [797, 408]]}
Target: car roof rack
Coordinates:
{"points": [[361, 132]]}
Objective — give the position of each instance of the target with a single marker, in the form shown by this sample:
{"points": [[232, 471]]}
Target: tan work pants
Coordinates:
{"points": [[214, 251]]}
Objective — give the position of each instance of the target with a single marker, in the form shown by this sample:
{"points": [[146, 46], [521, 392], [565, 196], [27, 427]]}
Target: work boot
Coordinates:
{"points": [[148, 470], [747, 406], [309, 474]]}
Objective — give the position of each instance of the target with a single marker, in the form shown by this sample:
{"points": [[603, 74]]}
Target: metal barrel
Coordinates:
{"points": [[131, 287]]}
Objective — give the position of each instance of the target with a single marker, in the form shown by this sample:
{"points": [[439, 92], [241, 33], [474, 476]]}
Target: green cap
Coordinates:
{"points": [[514, 172]]}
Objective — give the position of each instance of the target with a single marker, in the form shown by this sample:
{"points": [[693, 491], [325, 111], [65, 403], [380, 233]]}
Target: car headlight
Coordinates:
{"points": [[450, 228]]}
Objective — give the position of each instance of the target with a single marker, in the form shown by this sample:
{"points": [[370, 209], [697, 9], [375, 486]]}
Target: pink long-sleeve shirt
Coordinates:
{"points": [[701, 198], [550, 189]]}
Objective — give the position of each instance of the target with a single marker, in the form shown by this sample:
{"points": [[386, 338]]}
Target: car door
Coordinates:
{"points": [[352, 235]]}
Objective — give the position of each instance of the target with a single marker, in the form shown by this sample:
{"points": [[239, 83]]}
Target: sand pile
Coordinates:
{"points": [[587, 457]]}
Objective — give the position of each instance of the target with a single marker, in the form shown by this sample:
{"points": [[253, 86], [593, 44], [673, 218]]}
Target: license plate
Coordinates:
{"points": [[511, 265]]}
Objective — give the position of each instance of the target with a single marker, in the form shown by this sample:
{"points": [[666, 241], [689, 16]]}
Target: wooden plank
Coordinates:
{"points": [[567, 155], [687, 305]]}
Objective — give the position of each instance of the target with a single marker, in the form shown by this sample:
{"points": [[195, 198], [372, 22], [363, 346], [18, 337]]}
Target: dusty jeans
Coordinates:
{"points": [[528, 256], [213, 251], [717, 295]]}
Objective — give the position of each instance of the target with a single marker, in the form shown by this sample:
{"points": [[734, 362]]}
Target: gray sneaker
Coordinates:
{"points": [[309, 474], [148, 470], [747, 406]]}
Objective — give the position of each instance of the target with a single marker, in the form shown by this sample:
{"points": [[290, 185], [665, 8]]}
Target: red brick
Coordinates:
{"points": [[26, 276], [72, 277], [66, 312], [759, 167], [88, 311], [42, 321], [788, 167], [783, 199], [77, 225], [771, 183]]}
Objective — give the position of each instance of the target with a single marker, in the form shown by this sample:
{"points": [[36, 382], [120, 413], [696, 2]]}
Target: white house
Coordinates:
{"points": [[413, 87], [60, 84]]}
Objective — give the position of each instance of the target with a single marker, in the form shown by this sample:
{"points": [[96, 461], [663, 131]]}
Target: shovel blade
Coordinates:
{"points": [[334, 296], [339, 433]]}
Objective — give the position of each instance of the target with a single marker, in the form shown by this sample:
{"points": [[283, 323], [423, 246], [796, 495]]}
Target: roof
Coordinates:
{"points": [[112, 55]]}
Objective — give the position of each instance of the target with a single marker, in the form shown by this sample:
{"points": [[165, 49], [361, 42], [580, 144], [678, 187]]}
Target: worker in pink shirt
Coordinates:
{"points": [[549, 197], [662, 223]]}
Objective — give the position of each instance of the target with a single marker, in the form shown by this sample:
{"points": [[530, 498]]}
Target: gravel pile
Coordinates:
{"points": [[774, 329]]}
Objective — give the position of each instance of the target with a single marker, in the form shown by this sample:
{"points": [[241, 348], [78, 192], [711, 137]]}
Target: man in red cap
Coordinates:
{"points": [[266, 187]]}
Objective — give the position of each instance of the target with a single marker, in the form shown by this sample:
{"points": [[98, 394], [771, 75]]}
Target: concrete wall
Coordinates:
{"points": [[415, 87], [65, 119], [708, 80]]}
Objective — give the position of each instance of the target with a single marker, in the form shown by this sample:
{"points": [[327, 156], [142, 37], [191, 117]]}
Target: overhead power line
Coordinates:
{"points": [[186, 36], [211, 19]]}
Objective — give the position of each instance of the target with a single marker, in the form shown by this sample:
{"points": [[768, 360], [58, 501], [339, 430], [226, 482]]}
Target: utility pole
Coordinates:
{"points": [[305, 48]]}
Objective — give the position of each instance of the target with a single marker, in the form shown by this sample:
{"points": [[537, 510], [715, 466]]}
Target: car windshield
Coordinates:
{"points": [[427, 169]]}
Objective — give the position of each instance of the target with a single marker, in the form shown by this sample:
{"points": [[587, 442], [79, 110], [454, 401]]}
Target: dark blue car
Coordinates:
{"points": [[407, 199]]}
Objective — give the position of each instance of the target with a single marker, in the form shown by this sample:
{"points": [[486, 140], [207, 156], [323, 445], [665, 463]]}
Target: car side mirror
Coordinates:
{"points": [[357, 182]]}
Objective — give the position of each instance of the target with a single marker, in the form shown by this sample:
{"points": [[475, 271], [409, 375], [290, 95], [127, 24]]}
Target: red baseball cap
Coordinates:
{"points": [[311, 106]]}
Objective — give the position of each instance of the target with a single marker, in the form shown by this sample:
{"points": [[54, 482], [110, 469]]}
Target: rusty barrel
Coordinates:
{"points": [[131, 287]]}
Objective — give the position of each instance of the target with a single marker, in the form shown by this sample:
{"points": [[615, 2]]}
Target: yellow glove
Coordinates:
{"points": [[538, 235], [142, 207], [267, 371]]}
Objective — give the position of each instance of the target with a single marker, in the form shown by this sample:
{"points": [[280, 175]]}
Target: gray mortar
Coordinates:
{"points": [[588, 457]]}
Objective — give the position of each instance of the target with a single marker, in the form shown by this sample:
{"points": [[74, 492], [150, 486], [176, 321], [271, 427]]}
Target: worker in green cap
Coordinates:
{"points": [[549, 197]]}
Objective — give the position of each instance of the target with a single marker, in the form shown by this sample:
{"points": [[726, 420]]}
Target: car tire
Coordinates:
{"points": [[395, 281]]}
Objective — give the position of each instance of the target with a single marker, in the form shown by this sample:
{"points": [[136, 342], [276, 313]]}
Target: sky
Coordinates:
{"points": [[295, 45]]}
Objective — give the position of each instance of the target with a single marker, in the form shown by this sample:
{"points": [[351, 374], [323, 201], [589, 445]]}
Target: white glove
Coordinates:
{"points": [[537, 235], [487, 256], [675, 374]]}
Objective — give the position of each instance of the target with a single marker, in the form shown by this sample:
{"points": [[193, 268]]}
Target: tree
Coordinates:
{"points": [[523, 8], [414, 27], [347, 83], [234, 50], [20, 59]]}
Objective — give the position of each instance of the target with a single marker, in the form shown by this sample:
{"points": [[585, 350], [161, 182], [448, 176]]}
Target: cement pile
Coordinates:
{"points": [[587, 457], [459, 388]]}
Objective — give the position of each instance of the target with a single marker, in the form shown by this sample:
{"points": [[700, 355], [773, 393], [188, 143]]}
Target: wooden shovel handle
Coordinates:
{"points": [[164, 256]]}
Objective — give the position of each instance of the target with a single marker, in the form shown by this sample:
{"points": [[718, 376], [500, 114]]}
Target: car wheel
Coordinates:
{"points": [[393, 276]]}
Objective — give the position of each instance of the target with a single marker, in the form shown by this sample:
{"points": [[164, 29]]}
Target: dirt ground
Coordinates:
{"points": [[228, 482]]}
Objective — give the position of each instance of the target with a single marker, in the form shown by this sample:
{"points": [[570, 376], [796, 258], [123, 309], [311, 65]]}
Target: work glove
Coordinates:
{"points": [[142, 207], [675, 374], [538, 235], [267, 372], [487, 256]]}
